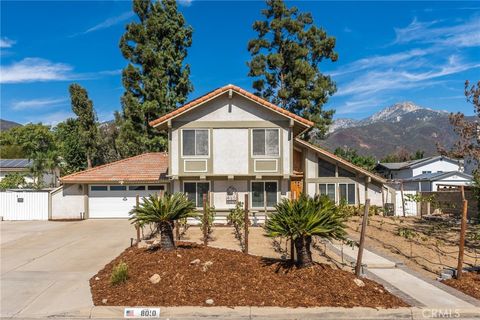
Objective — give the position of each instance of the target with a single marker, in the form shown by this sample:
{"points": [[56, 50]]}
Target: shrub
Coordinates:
{"points": [[303, 218], [236, 218], [119, 273], [210, 217], [163, 211]]}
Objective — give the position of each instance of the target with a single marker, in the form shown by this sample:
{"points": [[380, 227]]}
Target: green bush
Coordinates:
{"points": [[119, 273]]}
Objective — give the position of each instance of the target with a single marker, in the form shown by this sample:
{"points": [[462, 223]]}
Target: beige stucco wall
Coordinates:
{"points": [[68, 202], [230, 122]]}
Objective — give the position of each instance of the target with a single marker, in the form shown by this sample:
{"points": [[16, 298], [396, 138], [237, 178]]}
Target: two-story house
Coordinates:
{"points": [[226, 144]]}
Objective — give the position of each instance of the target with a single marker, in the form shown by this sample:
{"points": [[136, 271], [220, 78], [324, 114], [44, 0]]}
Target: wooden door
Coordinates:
{"points": [[296, 188]]}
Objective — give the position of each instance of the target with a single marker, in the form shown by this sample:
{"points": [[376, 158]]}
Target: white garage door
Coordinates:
{"points": [[116, 201]]}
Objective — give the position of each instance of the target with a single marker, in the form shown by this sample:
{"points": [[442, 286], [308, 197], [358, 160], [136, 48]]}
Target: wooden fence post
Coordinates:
{"points": [[358, 267], [205, 222], [246, 222], [463, 230]]}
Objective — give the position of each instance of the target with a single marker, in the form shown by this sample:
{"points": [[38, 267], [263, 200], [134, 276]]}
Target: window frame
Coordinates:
{"points": [[354, 192], [149, 187], [121, 187], [336, 192], [196, 190], [195, 143], [264, 200], [265, 155], [335, 169], [134, 187], [103, 187]]}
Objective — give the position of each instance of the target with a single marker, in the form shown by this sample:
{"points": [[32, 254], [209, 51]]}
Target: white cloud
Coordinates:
{"points": [[38, 70], [34, 69], [185, 3], [465, 34], [6, 43], [352, 106], [383, 80], [37, 103], [106, 23], [50, 118]]}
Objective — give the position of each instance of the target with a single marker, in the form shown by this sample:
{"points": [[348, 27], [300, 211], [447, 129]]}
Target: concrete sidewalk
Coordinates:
{"points": [[243, 313], [426, 293]]}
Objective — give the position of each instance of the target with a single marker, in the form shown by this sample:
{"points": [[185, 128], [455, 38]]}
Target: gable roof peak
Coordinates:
{"points": [[217, 92]]}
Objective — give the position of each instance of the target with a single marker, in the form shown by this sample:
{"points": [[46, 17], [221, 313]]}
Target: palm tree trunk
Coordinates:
{"points": [[166, 236], [304, 254], [89, 161]]}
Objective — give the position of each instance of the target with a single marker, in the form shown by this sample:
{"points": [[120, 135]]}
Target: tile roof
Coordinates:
{"points": [[433, 176], [238, 90], [340, 160], [147, 167]]}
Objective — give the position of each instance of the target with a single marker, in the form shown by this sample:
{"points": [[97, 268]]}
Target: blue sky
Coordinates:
{"points": [[388, 52]]}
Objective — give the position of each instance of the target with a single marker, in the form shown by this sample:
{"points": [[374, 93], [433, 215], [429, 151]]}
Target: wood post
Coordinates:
{"points": [[403, 200], [205, 220], [358, 267], [246, 223], [463, 230]]}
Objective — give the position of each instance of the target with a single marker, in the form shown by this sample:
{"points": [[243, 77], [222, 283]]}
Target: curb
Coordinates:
{"points": [[104, 313]]}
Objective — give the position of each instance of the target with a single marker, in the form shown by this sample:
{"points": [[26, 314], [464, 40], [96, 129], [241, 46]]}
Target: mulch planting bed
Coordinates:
{"points": [[469, 284], [234, 279]]}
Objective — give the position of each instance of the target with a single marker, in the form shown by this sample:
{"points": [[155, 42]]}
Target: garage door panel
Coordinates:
{"points": [[114, 204]]}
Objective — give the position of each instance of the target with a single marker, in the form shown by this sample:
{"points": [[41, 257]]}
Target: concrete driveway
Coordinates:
{"points": [[45, 266]]}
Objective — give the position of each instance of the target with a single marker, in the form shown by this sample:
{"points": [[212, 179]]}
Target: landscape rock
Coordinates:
{"points": [[359, 282], [104, 301], [155, 278], [196, 261], [97, 278], [142, 245], [179, 255], [209, 301], [206, 265]]}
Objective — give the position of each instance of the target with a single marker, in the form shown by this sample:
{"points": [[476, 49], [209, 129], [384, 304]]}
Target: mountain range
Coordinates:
{"points": [[5, 124], [402, 125]]}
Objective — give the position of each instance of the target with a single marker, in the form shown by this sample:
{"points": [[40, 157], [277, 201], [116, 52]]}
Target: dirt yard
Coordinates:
{"points": [[424, 245], [194, 274], [469, 284]]}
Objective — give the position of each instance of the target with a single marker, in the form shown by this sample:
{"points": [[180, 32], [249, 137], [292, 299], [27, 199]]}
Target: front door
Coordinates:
{"points": [[296, 188]]}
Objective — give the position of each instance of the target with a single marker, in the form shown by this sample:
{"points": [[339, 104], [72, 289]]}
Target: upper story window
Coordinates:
{"points": [[345, 173], [266, 142], [325, 169], [195, 142]]}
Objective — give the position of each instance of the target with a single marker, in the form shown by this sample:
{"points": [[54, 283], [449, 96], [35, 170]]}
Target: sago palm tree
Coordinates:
{"points": [[303, 218], [163, 211]]}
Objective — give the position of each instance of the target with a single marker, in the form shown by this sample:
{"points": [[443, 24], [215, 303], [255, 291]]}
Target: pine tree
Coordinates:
{"points": [[156, 80], [82, 106], [285, 63]]}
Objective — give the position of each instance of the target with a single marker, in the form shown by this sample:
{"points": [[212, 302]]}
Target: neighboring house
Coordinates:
{"points": [[228, 143], [409, 169], [431, 181], [22, 166]]}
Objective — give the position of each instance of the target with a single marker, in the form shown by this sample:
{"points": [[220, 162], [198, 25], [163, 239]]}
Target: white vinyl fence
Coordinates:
{"points": [[410, 206], [24, 205]]}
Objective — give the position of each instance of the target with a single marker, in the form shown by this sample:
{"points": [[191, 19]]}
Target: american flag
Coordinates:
{"points": [[129, 313]]}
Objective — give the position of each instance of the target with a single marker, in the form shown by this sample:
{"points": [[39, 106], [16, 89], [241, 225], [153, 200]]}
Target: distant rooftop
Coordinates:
{"points": [[433, 176], [413, 163]]}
